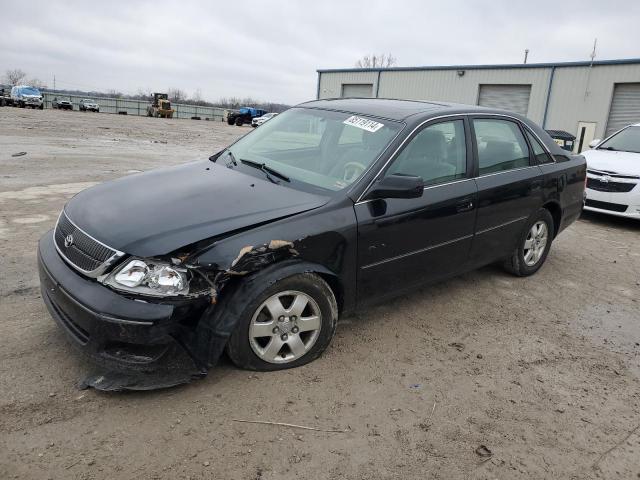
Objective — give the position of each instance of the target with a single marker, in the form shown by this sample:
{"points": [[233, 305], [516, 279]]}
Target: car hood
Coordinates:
{"points": [[157, 212], [625, 163]]}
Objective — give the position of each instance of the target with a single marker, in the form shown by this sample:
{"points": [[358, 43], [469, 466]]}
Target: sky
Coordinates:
{"points": [[270, 50]]}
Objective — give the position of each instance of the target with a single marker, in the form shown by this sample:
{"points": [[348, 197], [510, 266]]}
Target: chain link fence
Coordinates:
{"points": [[136, 107]]}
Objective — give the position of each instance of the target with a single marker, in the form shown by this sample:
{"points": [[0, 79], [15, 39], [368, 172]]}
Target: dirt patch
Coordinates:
{"points": [[541, 371]]}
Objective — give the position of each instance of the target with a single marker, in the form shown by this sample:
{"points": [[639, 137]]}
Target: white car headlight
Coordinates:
{"points": [[149, 277]]}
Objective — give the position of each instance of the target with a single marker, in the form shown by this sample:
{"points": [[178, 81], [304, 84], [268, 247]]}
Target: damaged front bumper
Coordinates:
{"points": [[133, 344]]}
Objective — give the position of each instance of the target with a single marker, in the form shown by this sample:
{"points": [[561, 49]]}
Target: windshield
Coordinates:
{"points": [[325, 149], [627, 140], [30, 91]]}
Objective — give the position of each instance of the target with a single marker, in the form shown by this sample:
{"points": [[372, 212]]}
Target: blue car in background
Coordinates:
{"points": [[26, 96], [244, 115]]}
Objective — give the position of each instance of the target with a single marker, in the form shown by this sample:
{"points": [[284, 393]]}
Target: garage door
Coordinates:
{"points": [[625, 107], [514, 98], [357, 90]]}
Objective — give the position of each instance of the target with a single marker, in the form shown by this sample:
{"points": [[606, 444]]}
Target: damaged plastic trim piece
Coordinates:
{"points": [[197, 348], [249, 260]]}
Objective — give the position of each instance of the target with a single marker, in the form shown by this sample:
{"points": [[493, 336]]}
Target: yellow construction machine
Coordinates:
{"points": [[161, 106]]}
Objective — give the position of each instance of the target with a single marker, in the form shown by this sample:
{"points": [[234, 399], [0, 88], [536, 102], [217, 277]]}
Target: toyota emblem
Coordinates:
{"points": [[68, 241]]}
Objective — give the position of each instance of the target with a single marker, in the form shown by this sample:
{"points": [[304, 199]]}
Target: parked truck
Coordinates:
{"points": [[5, 96], [161, 106], [244, 115]]}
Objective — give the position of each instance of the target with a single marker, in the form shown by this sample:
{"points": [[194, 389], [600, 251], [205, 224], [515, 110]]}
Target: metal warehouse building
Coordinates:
{"points": [[589, 99]]}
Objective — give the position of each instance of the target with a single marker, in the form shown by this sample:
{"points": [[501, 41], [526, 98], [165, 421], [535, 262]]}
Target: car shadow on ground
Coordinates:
{"points": [[604, 220]]}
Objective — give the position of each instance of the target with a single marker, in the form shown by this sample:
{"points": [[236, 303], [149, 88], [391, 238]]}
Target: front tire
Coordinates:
{"points": [[533, 245], [288, 324]]}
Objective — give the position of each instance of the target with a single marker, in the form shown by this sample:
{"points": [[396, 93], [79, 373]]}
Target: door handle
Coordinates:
{"points": [[465, 206]]}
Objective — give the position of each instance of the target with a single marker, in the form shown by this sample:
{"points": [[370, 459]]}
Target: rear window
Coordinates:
{"points": [[538, 150]]}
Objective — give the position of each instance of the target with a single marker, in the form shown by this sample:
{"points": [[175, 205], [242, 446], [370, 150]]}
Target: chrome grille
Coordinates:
{"points": [[609, 186], [82, 251]]}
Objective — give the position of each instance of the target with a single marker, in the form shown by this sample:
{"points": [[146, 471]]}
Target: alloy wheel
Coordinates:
{"points": [[535, 243], [285, 327]]}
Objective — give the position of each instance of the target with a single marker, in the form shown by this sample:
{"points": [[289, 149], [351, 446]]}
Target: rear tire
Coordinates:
{"points": [[300, 337], [238, 122], [533, 245]]}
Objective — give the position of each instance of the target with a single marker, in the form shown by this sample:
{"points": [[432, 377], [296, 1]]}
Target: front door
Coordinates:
{"points": [[406, 242]]}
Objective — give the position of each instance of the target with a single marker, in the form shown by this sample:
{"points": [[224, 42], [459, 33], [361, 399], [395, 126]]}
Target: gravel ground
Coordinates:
{"points": [[543, 371]]}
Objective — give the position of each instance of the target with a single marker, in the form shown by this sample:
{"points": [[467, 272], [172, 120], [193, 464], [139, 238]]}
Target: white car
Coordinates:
{"points": [[613, 174], [256, 122]]}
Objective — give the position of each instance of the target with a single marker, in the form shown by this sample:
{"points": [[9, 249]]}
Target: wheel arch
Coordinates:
{"points": [[286, 268], [556, 213], [220, 319]]}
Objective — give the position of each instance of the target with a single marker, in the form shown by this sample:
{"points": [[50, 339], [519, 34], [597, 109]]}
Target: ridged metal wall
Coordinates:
{"points": [[578, 93]]}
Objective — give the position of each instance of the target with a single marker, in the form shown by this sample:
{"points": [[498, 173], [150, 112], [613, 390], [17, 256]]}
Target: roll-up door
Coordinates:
{"points": [[514, 98], [357, 90], [625, 107]]}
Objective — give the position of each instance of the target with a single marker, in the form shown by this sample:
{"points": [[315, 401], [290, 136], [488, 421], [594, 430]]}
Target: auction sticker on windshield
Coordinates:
{"points": [[363, 123]]}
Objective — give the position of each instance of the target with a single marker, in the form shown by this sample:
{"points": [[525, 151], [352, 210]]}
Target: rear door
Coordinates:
{"points": [[406, 242], [509, 186]]}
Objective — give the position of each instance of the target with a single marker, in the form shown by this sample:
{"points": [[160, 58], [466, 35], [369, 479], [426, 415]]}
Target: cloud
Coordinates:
{"points": [[271, 49]]}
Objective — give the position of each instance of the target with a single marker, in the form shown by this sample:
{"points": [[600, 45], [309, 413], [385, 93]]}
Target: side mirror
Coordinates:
{"points": [[397, 186], [594, 143]]}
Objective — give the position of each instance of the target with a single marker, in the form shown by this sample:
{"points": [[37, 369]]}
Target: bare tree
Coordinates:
{"points": [[16, 76], [37, 83], [176, 95], [377, 61], [144, 93]]}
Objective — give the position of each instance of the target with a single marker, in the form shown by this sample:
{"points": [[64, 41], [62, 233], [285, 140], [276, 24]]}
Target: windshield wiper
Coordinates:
{"points": [[267, 170], [611, 149]]}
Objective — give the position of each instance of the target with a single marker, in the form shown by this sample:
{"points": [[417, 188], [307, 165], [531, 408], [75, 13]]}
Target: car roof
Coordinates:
{"points": [[394, 109]]}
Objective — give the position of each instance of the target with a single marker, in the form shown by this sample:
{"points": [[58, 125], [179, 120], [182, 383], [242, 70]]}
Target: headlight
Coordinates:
{"points": [[149, 277]]}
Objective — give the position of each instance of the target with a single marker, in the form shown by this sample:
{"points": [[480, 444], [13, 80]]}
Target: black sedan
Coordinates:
{"points": [[329, 207]]}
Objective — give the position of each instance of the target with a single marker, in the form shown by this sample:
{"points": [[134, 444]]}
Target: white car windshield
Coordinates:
{"points": [[627, 140], [321, 148]]}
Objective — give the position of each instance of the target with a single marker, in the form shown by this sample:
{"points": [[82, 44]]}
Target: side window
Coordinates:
{"points": [[501, 146], [538, 151], [438, 154]]}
